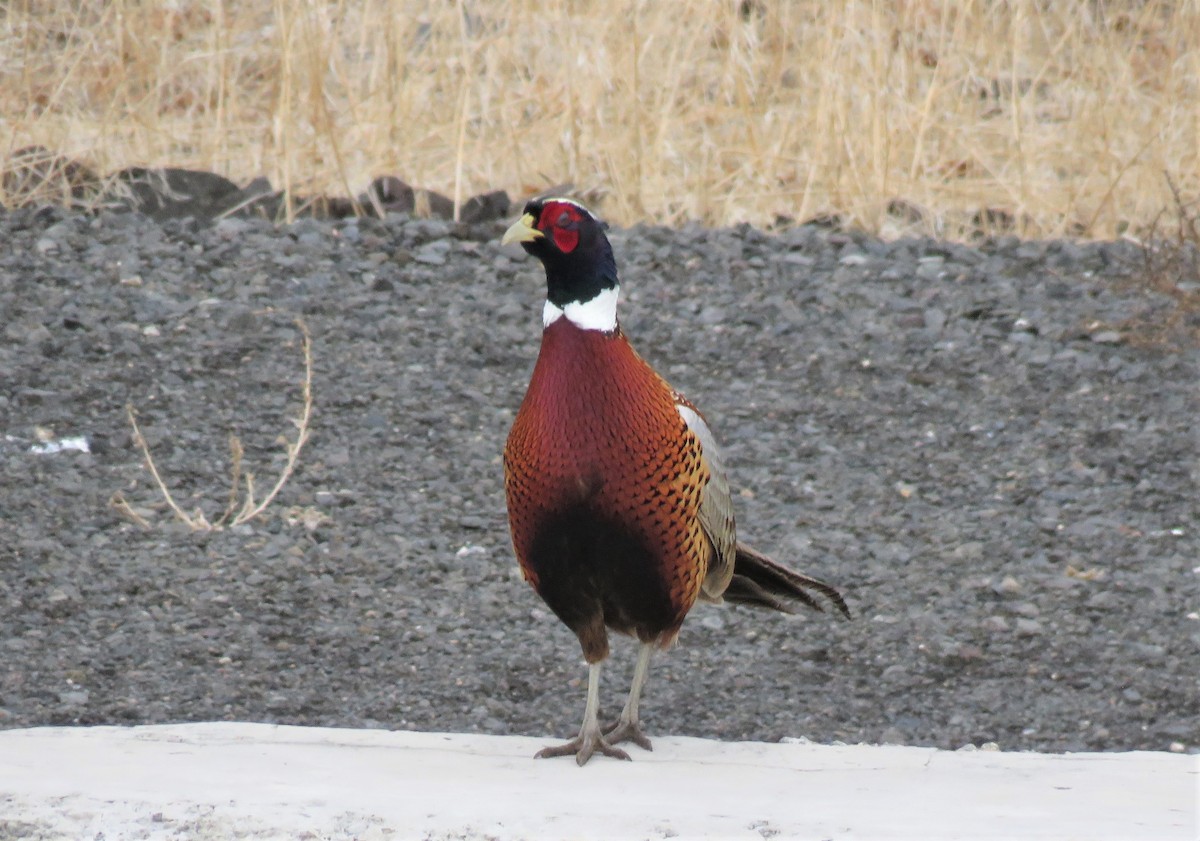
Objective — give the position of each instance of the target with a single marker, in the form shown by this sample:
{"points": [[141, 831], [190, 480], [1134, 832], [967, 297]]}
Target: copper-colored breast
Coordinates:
{"points": [[604, 483]]}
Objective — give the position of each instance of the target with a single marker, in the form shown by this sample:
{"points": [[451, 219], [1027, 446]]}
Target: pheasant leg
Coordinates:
{"points": [[628, 728], [590, 740]]}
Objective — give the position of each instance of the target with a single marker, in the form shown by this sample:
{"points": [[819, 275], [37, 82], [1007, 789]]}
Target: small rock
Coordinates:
{"points": [[1026, 609], [430, 258], [970, 550], [930, 268], [1029, 627], [996, 624], [74, 697]]}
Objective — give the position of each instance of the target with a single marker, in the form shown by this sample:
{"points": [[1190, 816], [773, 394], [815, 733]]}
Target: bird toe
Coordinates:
{"points": [[583, 748], [628, 731]]}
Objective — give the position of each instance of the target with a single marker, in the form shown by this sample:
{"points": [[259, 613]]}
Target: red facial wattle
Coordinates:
{"points": [[561, 221], [565, 238]]}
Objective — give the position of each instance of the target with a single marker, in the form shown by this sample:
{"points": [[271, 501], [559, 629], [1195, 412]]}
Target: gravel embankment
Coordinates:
{"points": [[1000, 474]]}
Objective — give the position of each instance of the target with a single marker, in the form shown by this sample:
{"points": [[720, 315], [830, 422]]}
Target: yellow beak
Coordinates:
{"points": [[522, 231]]}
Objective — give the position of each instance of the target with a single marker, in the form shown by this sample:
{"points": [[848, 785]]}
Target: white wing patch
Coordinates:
{"points": [[697, 425], [716, 507]]}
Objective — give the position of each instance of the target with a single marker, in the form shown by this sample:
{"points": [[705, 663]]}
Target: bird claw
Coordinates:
{"points": [[628, 731], [582, 747]]}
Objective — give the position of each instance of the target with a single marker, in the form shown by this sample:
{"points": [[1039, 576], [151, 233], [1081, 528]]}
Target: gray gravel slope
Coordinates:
{"points": [[1003, 483]]}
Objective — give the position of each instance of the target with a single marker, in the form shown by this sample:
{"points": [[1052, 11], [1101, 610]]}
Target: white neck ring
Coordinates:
{"points": [[599, 313]]}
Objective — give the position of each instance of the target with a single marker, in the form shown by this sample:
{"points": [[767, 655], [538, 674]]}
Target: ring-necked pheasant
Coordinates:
{"points": [[618, 502]]}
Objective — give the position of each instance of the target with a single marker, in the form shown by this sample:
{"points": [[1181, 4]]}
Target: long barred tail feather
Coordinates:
{"points": [[759, 581]]}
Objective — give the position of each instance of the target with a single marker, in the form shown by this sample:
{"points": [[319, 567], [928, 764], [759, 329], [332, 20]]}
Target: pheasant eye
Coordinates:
{"points": [[564, 219]]}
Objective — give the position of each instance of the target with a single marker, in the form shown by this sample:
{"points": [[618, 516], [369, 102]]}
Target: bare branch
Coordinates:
{"points": [[122, 505], [249, 510], [192, 522], [235, 479], [246, 508]]}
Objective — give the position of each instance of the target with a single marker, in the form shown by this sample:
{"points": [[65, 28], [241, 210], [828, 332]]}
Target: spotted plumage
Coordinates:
{"points": [[604, 484], [618, 502]]}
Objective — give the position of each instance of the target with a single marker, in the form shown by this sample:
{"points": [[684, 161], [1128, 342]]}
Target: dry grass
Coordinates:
{"points": [[242, 506], [1170, 266], [1061, 116]]}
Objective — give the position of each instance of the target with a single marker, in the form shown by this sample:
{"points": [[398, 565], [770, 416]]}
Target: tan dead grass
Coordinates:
{"points": [[1169, 266], [1063, 115], [243, 505]]}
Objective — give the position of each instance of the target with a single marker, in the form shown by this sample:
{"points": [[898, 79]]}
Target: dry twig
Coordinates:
{"points": [[238, 509], [1170, 266]]}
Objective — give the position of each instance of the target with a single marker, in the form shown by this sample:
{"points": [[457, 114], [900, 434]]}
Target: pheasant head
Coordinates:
{"points": [[581, 274]]}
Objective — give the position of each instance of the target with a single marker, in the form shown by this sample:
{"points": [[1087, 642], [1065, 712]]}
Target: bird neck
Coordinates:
{"points": [[583, 287], [597, 313]]}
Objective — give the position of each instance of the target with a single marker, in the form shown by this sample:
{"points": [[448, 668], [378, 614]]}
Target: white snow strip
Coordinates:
{"points": [[77, 443], [230, 780]]}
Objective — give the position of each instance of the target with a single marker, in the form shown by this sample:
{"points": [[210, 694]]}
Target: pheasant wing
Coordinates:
{"points": [[716, 506]]}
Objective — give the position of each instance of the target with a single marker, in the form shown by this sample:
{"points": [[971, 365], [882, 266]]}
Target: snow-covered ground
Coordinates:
{"points": [[261, 781]]}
